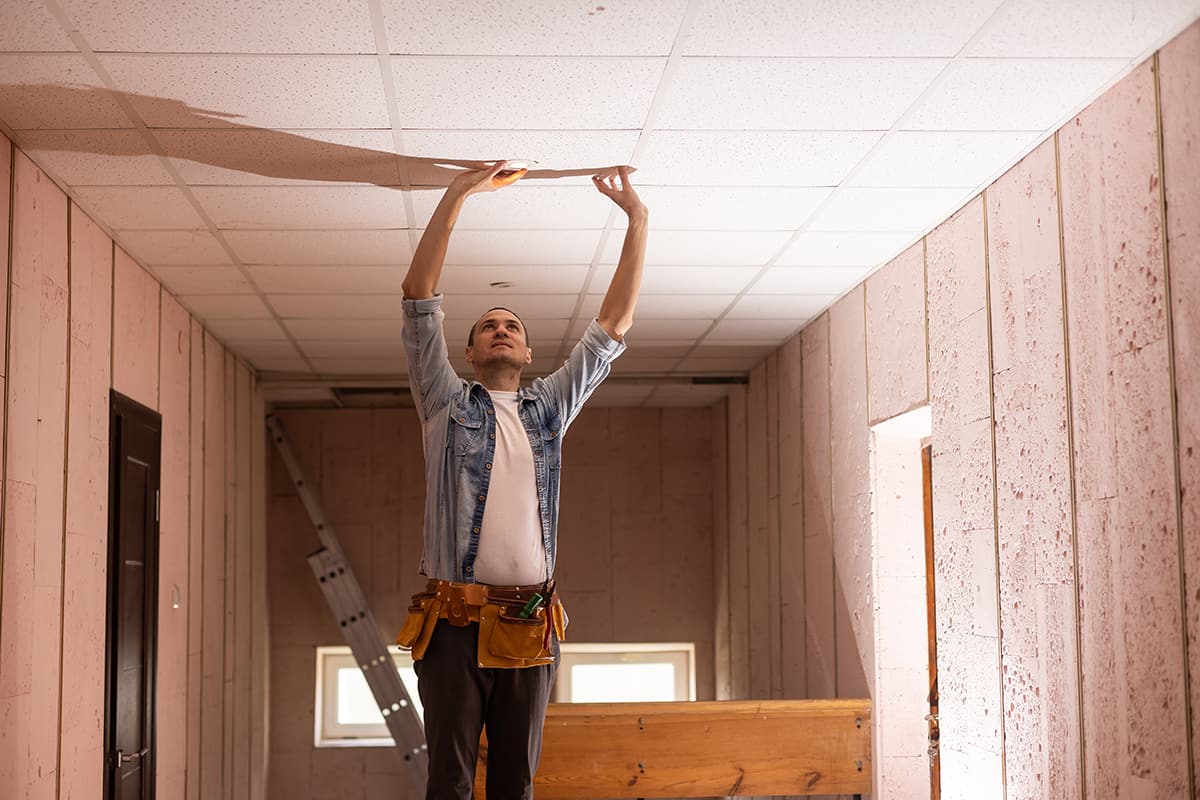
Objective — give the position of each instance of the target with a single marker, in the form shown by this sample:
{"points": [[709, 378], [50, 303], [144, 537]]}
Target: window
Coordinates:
{"points": [[626, 673], [346, 714]]}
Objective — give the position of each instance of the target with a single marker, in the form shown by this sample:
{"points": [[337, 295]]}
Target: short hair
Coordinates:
{"points": [[471, 335]]}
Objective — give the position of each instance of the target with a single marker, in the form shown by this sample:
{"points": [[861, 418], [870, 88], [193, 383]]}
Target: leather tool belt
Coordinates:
{"points": [[506, 639]]}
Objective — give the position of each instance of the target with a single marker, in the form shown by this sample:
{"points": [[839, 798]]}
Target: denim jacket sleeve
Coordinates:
{"points": [[433, 380], [585, 368]]}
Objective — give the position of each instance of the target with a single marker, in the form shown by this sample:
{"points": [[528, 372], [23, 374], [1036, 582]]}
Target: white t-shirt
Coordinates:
{"points": [[511, 552]]}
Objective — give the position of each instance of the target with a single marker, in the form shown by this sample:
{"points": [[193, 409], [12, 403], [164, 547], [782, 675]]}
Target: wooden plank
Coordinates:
{"points": [[174, 393], [244, 617], [792, 655], [722, 667], [703, 749], [260, 622], [31, 593], [1037, 572], [85, 575], [194, 596], [229, 485], [1134, 699], [739, 609], [212, 700], [775, 620], [6, 154], [820, 665], [758, 601], [135, 330], [896, 350], [1179, 82]]}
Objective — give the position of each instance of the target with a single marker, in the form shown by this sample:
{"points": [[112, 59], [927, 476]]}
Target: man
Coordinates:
{"points": [[484, 634]]}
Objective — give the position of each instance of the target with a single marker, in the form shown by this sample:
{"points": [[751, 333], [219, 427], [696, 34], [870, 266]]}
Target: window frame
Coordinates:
{"points": [[327, 731], [681, 654]]}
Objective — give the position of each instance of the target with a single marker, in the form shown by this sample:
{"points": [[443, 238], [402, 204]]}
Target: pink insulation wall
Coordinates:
{"points": [[1055, 320], [637, 494], [83, 318]]}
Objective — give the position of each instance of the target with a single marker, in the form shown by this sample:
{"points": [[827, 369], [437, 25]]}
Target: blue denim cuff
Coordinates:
{"points": [[415, 308], [599, 342]]}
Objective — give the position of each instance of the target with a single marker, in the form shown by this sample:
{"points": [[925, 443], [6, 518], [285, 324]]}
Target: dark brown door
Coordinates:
{"points": [[135, 436], [935, 764]]}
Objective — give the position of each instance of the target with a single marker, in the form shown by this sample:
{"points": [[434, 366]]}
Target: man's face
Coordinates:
{"points": [[499, 337]]}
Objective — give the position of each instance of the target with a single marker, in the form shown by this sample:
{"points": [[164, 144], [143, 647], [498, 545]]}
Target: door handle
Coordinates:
{"points": [[125, 759]]}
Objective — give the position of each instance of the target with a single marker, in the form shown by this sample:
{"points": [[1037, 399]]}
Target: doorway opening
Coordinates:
{"points": [[905, 715]]}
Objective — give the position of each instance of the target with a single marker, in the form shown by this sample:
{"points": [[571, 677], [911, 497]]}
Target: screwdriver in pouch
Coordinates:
{"points": [[531, 606]]}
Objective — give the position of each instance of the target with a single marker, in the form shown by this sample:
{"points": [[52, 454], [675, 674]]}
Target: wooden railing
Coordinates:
{"points": [[703, 749]]}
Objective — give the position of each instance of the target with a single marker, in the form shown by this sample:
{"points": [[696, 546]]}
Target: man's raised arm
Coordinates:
{"points": [[616, 312], [421, 280]]}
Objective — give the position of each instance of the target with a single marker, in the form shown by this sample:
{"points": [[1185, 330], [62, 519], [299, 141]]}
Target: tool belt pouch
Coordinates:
{"points": [[418, 626], [508, 641]]}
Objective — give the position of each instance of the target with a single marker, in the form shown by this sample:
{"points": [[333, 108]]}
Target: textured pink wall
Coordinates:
{"points": [[1035, 531], [793, 636], [896, 357], [963, 522], [86, 568], [31, 594], [819, 593], [136, 297], [850, 482], [1179, 86], [1132, 658]]}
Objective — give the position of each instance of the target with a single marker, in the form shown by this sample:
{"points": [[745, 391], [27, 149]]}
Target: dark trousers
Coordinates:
{"points": [[461, 698]]}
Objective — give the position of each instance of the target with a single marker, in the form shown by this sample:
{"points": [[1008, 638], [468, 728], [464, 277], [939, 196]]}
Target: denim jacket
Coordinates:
{"points": [[459, 435]]}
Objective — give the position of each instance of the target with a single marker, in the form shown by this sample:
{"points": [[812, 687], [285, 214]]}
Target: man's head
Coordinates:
{"points": [[498, 338]]}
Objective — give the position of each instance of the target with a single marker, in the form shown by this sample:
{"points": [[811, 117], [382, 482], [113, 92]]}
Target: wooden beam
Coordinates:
{"points": [[702, 749]]}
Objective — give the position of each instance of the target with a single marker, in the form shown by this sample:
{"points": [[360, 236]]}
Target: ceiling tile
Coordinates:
{"points": [[844, 249], [706, 365], [531, 306], [226, 306], [240, 157], [29, 27], [754, 330], [55, 91], [555, 151], [524, 206], [325, 207], [668, 306], [390, 348], [961, 158], [95, 158], [341, 330], [889, 209], [139, 207], [532, 27], [1081, 28], [522, 247], [358, 366], [336, 306], [329, 280], [202, 91], [680, 395], [993, 94], [835, 28], [161, 248], [728, 208], [793, 94], [236, 330], [711, 248], [656, 330], [810, 280], [548, 279], [752, 158], [321, 247], [298, 394], [203, 280], [780, 306], [252, 349], [525, 93], [225, 26], [658, 279]]}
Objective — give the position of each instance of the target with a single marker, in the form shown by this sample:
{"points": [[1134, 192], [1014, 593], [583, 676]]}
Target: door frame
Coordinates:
{"points": [[124, 411]]}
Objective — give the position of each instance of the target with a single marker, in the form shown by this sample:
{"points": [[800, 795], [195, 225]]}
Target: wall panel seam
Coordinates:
{"points": [[12, 191], [1174, 405], [832, 507], [1062, 271], [991, 375], [62, 566]]}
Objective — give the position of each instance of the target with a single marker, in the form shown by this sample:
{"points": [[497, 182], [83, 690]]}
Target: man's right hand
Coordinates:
{"points": [[487, 179]]}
